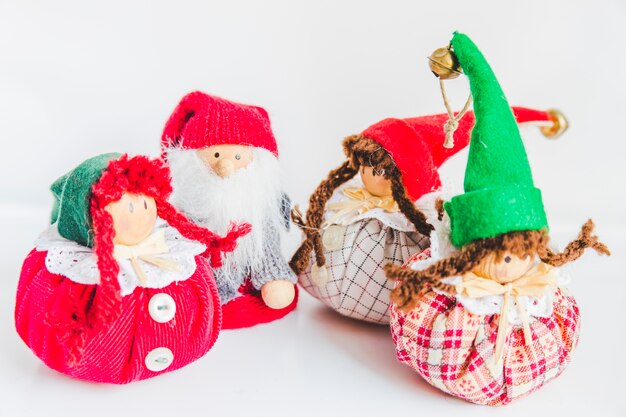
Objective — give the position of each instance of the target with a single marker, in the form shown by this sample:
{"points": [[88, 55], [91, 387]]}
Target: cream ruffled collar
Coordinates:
{"points": [[78, 263]]}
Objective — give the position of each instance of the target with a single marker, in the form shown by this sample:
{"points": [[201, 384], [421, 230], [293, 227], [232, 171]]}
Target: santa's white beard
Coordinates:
{"points": [[251, 194]]}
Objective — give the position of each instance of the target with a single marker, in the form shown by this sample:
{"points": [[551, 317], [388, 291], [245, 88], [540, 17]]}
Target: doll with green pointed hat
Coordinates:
{"points": [[489, 318]]}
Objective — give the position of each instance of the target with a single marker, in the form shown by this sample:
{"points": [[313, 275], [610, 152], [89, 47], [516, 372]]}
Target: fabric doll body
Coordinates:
{"points": [[119, 287], [487, 317], [450, 339], [137, 344], [357, 247]]}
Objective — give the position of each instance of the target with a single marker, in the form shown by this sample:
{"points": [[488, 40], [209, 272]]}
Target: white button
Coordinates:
{"points": [[162, 307], [319, 275], [159, 359], [333, 237]]}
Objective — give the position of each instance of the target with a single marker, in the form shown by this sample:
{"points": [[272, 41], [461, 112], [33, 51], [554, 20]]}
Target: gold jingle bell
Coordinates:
{"points": [[444, 64], [559, 125]]}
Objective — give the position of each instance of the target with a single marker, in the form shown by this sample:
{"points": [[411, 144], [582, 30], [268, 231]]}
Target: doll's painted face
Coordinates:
{"points": [[507, 269], [375, 182], [134, 216], [226, 159]]}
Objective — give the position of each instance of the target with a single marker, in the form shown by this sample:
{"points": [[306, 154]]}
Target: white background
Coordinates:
{"points": [[81, 78]]}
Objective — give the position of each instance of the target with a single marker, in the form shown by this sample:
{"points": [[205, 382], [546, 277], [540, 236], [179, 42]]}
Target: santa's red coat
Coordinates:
{"points": [[117, 353]]}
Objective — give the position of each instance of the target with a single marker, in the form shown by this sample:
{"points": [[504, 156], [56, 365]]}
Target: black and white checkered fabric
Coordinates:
{"points": [[356, 286]]}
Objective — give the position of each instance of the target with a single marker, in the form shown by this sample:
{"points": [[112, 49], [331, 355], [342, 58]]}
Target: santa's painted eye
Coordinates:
{"points": [[507, 259], [217, 154], [238, 157], [131, 208], [145, 204]]}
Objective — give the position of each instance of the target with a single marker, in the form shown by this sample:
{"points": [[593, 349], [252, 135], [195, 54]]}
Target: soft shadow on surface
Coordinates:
{"points": [[370, 345]]}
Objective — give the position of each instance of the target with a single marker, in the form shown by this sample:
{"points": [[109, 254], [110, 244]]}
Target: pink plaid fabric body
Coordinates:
{"points": [[453, 349], [357, 286]]}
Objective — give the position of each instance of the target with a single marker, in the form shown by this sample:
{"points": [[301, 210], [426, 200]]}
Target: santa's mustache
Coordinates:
{"points": [[251, 194]]}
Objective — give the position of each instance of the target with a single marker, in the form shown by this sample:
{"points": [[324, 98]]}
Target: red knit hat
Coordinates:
{"points": [[201, 120], [416, 145]]}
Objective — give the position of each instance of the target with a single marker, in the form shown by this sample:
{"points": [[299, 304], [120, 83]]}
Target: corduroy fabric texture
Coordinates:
{"points": [[115, 352], [201, 120], [500, 196], [72, 194], [453, 349], [91, 331]]}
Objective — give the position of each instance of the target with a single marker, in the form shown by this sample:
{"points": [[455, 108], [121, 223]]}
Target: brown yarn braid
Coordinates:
{"points": [[575, 248], [439, 208], [314, 217], [360, 151], [522, 244], [408, 208]]}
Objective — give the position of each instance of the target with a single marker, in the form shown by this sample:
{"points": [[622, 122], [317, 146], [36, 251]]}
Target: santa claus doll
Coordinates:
{"points": [[118, 288], [224, 161]]}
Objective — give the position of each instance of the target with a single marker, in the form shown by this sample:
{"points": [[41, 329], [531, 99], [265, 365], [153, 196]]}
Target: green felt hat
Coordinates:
{"points": [[72, 199], [500, 196]]}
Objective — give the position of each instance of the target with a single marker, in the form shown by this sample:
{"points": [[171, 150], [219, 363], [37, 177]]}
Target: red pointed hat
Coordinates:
{"points": [[416, 144], [201, 120]]}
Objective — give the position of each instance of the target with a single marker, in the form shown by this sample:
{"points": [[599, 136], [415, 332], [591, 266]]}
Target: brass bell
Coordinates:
{"points": [[559, 125], [444, 64]]}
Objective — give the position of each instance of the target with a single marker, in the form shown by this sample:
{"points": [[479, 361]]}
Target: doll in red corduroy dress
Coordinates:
{"points": [[119, 288], [488, 318]]}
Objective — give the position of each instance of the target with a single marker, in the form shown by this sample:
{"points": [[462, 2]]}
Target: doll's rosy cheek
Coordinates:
{"points": [[134, 217]]}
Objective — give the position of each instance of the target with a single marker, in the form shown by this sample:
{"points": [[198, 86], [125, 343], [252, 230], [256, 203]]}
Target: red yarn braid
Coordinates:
{"points": [[215, 244], [137, 175], [106, 303]]}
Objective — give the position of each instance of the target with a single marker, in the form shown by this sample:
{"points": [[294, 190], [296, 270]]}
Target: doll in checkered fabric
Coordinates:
{"points": [[488, 318], [373, 210], [119, 288]]}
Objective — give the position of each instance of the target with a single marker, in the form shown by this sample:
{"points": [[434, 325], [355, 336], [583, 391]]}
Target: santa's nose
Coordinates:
{"points": [[225, 167]]}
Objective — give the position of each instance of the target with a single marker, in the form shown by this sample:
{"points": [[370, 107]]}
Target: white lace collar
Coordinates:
{"points": [[492, 304], [78, 263], [396, 221]]}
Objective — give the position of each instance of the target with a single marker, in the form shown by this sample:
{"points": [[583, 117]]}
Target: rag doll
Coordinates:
{"points": [[118, 288], [486, 315]]}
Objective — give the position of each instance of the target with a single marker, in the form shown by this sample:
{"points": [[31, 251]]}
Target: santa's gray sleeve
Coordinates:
{"points": [[274, 266]]}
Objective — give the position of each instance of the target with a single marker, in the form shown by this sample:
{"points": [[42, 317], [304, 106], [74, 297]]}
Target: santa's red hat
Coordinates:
{"points": [[416, 144], [201, 120]]}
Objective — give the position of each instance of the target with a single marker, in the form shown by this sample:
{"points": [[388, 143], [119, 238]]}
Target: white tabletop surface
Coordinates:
{"points": [[80, 78]]}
